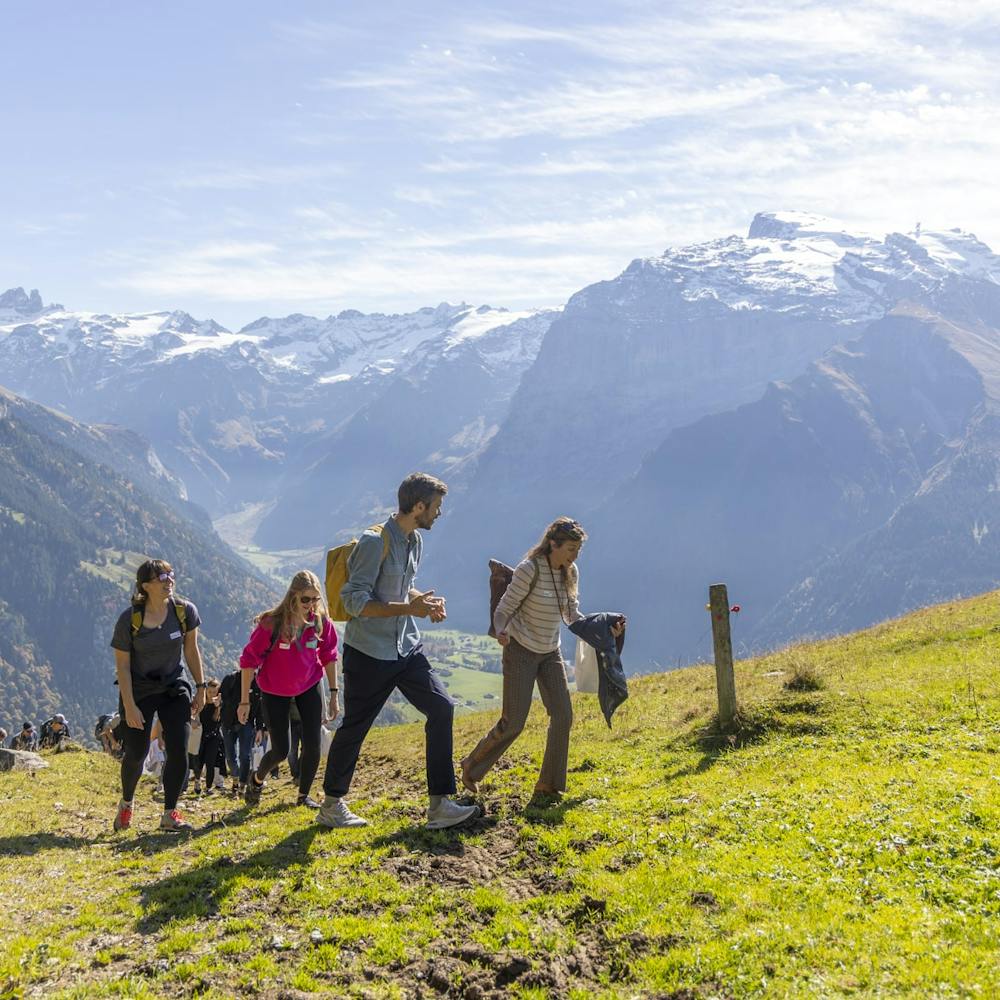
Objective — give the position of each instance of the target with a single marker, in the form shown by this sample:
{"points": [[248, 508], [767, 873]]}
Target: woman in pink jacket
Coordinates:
{"points": [[290, 648]]}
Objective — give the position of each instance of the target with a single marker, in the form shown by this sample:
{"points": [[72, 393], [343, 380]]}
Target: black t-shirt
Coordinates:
{"points": [[155, 659]]}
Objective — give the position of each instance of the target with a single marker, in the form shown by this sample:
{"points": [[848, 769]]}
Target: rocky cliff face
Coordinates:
{"points": [[810, 503]]}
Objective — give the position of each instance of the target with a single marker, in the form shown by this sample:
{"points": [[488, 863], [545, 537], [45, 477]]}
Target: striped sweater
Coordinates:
{"points": [[534, 620]]}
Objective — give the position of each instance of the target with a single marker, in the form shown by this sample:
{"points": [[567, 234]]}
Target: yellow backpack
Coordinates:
{"points": [[337, 573]]}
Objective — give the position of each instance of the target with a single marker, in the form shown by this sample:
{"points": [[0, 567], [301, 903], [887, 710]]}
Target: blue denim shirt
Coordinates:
{"points": [[371, 579]]}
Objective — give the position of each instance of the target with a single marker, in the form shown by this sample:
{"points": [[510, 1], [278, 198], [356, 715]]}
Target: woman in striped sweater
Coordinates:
{"points": [[542, 595]]}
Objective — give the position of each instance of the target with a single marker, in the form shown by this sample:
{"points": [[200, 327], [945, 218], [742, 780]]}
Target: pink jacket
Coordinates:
{"points": [[291, 667]]}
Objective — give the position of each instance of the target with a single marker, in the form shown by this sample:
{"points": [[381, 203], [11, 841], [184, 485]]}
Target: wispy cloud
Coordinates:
{"points": [[236, 177], [512, 153]]}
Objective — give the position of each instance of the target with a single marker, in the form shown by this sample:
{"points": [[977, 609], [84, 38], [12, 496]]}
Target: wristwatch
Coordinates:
{"points": [[201, 684]]}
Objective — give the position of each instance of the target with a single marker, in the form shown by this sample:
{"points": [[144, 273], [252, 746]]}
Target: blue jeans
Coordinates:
{"points": [[242, 735]]}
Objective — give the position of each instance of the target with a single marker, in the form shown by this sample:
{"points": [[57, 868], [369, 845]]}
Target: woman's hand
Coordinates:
{"points": [[503, 638], [619, 627], [243, 712], [334, 705], [133, 717]]}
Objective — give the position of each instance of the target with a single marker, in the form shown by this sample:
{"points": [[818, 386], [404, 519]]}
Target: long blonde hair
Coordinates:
{"points": [[562, 529], [279, 618]]}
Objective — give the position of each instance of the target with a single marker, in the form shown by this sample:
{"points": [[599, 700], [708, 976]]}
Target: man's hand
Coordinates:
{"points": [[503, 638], [133, 717], [619, 627], [334, 705], [426, 605], [243, 713], [199, 700]]}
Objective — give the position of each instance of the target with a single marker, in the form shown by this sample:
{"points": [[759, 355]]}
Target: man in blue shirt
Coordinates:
{"points": [[382, 653]]}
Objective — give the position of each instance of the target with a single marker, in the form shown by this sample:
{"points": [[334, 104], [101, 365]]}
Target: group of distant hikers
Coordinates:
{"points": [[52, 732], [294, 644]]}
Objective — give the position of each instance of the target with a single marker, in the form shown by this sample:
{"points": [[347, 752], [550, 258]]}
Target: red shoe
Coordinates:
{"points": [[173, 820], [124, 818]]}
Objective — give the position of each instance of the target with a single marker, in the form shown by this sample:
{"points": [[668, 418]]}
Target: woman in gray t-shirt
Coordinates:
{"points": [[150, 638]]}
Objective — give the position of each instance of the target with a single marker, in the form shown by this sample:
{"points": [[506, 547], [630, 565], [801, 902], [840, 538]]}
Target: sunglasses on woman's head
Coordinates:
{"points": [[308, 600]]}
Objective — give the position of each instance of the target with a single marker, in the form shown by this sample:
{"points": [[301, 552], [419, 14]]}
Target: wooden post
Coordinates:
{"points": [[725, 682]]}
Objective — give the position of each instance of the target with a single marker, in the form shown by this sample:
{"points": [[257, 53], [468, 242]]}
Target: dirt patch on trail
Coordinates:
{"points": [[454, 966]]}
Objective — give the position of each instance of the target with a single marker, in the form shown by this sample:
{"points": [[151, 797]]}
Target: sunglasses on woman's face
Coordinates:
{"points": [[166, 578], [308, 600]]}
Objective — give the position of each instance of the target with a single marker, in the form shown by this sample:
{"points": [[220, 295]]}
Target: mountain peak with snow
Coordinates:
{"points": [[793, 262], [805, 225], [17, 300]]}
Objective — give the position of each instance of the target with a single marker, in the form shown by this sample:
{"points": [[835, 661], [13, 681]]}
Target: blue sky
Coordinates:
{"points": [[242, 159]]}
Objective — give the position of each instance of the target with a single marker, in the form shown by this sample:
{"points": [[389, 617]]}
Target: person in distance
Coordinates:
{"points": [[26, 739]]}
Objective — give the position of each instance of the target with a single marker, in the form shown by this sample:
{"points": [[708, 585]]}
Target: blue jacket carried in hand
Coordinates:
{"points": [[595, 630]]}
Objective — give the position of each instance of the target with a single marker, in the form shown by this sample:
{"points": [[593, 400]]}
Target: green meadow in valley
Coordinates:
{"points": [[845, 842]]}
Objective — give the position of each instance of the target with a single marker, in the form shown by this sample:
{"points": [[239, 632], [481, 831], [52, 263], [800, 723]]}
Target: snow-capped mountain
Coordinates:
{"points": [[696, 331], [793, 262], [227, 410], [436, 413]]}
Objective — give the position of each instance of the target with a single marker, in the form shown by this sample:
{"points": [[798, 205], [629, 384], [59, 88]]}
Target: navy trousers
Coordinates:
{"points": [[367, 685]]}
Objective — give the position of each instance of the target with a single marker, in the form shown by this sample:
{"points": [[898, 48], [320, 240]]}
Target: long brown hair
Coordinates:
{"points": [[562, 529], [279, 618]]}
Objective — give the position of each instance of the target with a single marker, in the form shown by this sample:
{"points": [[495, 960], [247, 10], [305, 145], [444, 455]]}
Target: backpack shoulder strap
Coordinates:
{"points": [[534, 578], [272, 643], [380, 528], [531, 586], [181, 616], [136, 620]]}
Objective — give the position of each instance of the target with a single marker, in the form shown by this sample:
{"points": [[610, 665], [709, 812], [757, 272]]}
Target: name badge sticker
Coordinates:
{"points": [[175, 635], [311, 644]]}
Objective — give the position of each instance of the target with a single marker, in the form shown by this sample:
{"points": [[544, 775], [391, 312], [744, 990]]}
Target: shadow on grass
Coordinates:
{"points": [[200, 892], [785, 718], [550, 813], [27, 844], [420, 840], [156, 840]]}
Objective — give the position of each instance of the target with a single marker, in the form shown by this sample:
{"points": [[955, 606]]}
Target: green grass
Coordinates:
{"points": [[844, 842]]}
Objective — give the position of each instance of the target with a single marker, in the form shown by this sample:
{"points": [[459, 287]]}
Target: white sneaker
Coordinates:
{"points": [[335, 813], [449, 813]]}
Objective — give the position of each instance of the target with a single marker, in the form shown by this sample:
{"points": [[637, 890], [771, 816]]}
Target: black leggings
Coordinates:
{"points": [[209, 758], [174, 711], [310, 706]]}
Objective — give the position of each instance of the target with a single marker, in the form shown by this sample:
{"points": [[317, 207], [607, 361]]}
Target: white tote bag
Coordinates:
{"points": [[585, 667]]}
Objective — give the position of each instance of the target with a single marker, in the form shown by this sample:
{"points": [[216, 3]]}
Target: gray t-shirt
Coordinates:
{"points": [[155, 659]]}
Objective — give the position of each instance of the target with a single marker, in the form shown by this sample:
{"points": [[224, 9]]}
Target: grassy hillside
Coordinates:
{"points": [[845, 843]]}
